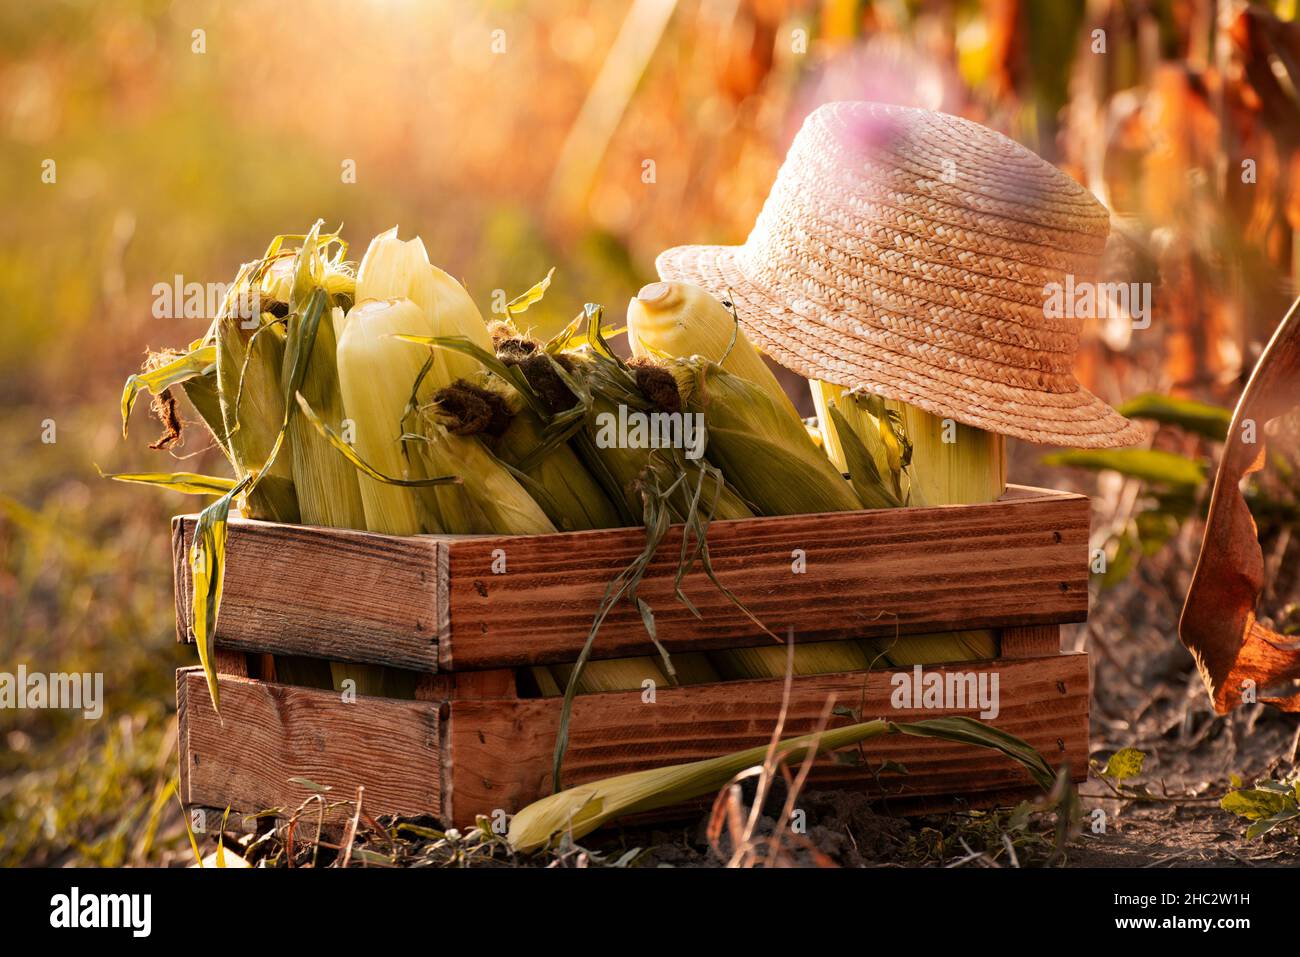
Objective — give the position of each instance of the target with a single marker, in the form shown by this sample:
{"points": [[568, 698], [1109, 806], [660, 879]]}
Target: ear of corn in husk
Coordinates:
{"points": [[376, 373], [602, 384], [579, 810], [690, 667], [880, 477], [764, 453], [811, 658], [328, 490], [969, 469], [252, 407], [931, 649], [755, 437], [676, 319], [396, 269], [327, 486], [563, 487], [952, 463], [613, 674], [625, 473]]}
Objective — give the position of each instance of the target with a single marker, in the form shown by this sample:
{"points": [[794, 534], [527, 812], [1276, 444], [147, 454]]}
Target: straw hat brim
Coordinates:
{"points": [[1072, 417]]}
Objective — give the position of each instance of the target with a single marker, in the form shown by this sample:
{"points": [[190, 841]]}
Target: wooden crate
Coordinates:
{"points": [[474, 742]]}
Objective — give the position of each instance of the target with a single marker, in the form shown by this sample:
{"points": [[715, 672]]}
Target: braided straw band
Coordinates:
{"points": [[906, 253]]}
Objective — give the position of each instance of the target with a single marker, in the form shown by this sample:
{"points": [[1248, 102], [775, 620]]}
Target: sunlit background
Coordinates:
{"points": [[516, 136]]}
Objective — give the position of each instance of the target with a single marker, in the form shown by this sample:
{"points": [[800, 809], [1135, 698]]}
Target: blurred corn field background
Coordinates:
{"points": [[516, 136]]}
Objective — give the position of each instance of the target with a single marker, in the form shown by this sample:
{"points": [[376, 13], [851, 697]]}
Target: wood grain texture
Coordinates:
{"points": [[269, 733], [1019, 561], [498, 755], [431, 604], [1029, 641], [327, 593]]}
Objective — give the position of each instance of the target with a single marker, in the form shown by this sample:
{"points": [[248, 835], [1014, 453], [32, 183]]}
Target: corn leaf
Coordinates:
{"points": [[520, 303], [349, 453], [1149, 465], [208, 571], [864, 475], [189, 483], [196, 362], [1210, 421]]}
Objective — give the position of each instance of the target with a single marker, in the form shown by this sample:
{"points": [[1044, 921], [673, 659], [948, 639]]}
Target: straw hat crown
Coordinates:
{"points": [[908, 253]]}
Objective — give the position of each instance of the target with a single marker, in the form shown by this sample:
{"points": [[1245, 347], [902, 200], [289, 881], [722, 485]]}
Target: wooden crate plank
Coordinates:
{"points": [[1029, 641], [327, 593], [1021, 561], [272, 733], [498, 756]]}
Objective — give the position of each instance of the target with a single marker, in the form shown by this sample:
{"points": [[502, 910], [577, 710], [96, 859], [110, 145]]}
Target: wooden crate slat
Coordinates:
{"points": [[499, 756], [327, 593], [1029, 641], [432, 604], [1021, 561], [272, 733]]}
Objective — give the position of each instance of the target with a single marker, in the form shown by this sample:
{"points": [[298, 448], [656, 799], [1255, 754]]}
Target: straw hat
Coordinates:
{"points": [[905, 253]]}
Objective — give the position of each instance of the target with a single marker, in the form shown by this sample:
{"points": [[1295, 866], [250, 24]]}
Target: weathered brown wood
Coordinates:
{"points": [[228, 662], [270, 733], [327, 593], [431, 604], [1029, 641], [446, 686], [498, 755], [1019, 561]]}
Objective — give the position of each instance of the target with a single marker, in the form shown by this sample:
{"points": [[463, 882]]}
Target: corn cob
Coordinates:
{"points": [[754, 435]]}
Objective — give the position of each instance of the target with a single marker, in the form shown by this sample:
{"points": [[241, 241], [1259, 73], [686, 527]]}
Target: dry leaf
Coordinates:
{"points": [[1234, 651]]}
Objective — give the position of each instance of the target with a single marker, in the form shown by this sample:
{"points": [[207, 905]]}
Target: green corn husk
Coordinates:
{"points": [[969, 470], [329, 493], [903, 446], [557, 480], [501, 506], [604, 383], [397, 269], [376, 372], [769, 661], [755, 437], [607, 384], [580, 810], [676, 319], [400, 269], [691, 667], [201, 391], [252, 414], [545, 681], [881, 434], [765, 454], [931, 649], [613, 674]]}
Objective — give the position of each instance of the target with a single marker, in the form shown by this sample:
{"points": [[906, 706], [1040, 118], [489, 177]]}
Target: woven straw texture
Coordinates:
{"points": [[905, 253]]}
